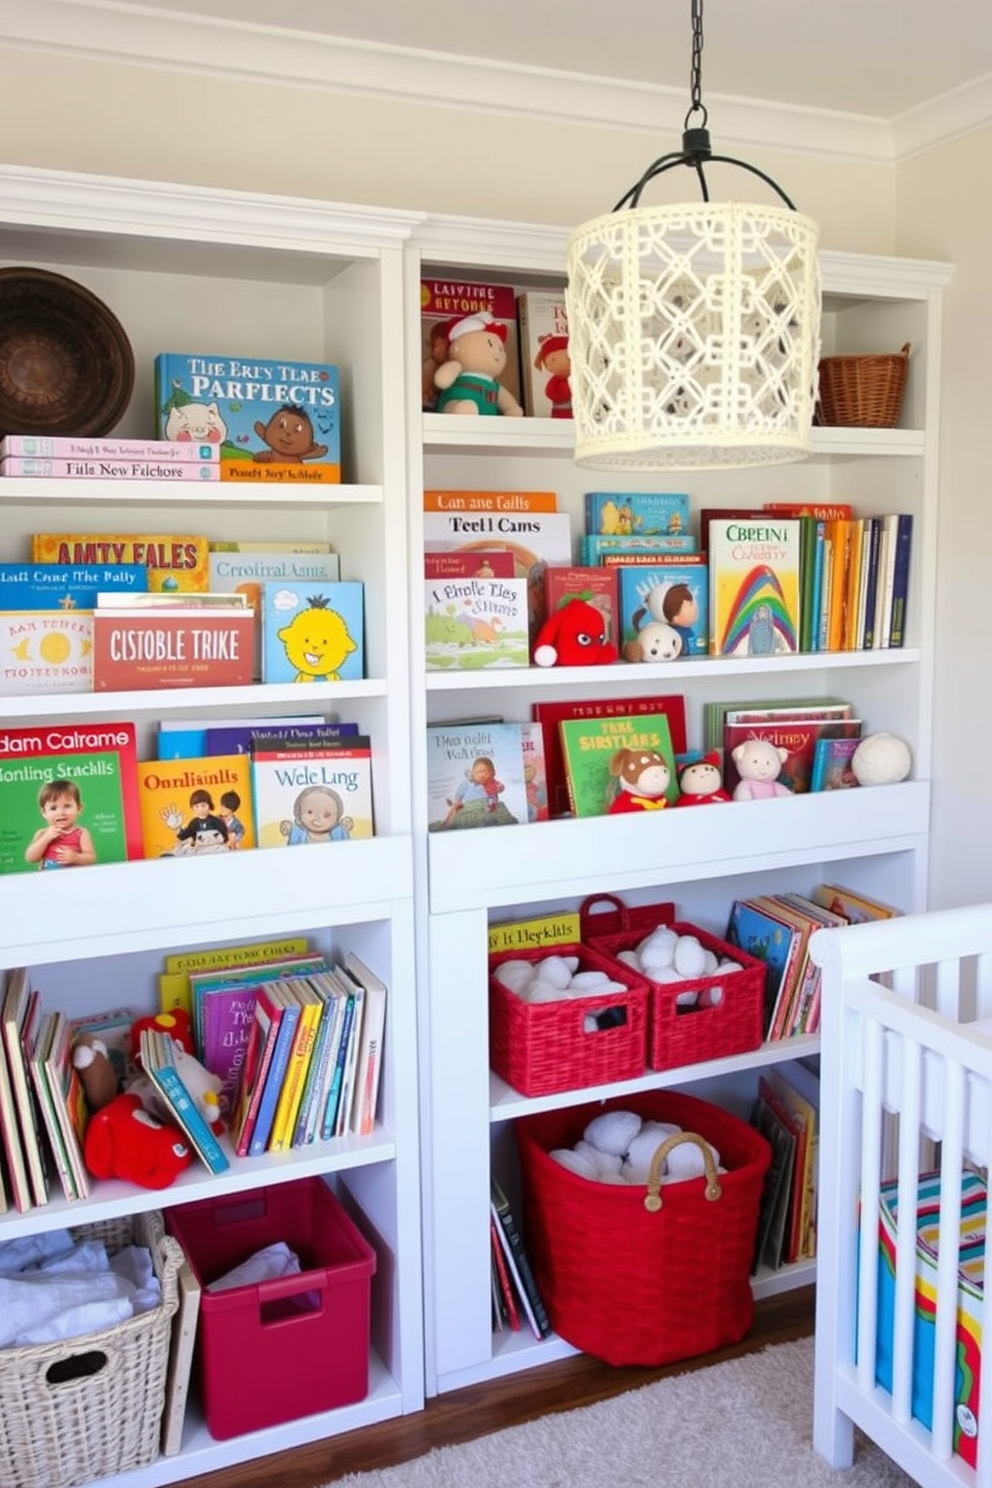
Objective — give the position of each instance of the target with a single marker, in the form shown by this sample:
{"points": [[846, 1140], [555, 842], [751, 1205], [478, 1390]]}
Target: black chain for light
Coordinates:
{"points": [[696, 151]]}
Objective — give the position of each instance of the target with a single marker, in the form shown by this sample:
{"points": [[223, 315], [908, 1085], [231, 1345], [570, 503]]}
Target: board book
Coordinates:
{"points": [[247, 573], [312, 631], [754, 585], [271, 420], [444, 302], [636, 513], [141, 648], [173, 561], [589, 744], [476, 623], [66, 586], [832, 764], [551, 713], [195, 807], [45, 651], [545, 364], [312, 796], [475, 776], [87, 774]]}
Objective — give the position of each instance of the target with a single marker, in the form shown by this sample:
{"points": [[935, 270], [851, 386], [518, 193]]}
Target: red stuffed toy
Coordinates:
{"points": [[700, 780], [176, 1023], [123, 1140], [575, 635]]}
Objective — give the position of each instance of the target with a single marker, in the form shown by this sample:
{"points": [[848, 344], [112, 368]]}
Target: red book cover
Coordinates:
{"points": [[474, 565], [550, 714], [598, 586], [133, 650]]}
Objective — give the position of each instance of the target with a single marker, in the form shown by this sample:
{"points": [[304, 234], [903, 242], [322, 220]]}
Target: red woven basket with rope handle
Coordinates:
{"points": [[629, 1283]]}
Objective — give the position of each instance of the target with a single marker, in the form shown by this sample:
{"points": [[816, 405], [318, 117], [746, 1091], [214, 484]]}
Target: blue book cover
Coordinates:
{"points": [[239, 740], [313, 632], [272, 420], [157, 1058], [636, 513], [66, 586], [182, 743], [329, 1118], [900, 579], [276, 1074], [595, 547], [763, 936], [671, 593]]}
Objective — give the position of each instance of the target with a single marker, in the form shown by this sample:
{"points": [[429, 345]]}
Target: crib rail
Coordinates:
{"points": [[906, 1086]]}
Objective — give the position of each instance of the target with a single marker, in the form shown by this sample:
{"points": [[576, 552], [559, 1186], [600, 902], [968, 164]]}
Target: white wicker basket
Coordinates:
{"points": [[91, 1406]]}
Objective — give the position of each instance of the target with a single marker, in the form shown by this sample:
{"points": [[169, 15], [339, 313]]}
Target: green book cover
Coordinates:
{"points": [[588, 746]]}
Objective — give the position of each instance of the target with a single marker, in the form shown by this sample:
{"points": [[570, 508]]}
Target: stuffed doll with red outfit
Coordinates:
{"points": [[700, 780], [574, 635]]}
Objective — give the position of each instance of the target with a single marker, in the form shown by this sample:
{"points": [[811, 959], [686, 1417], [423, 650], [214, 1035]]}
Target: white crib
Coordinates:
{"points": [[903, 1047]]}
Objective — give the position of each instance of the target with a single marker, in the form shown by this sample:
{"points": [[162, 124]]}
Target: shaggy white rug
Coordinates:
{"points": [[746, 1423]]}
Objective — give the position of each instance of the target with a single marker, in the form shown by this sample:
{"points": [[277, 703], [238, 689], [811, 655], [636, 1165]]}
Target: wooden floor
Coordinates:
{"points": [[480, 1409]]}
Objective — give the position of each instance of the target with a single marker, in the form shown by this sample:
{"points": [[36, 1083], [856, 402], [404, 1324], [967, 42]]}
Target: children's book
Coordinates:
{"points": [[618, 548], [444, 302], [513, 502], [68, 796], [246, 573], [773, 1211], [765, 710], [533, 538], [475, 776], [313, 795], [754, 585], [165, 472], [484, 565], [240, 739], [673, 591], [66, 586], [21, 1017], [74, 446], [173, 562], [636, 513], [49, 1130], [900, 578], [313, 632], [268, 1012], [475, 624], [330, 1097], [535, 771], [369, 1068], [281, 1015], [349, 1052], [271, 420], [589, 745], [832, 764], [194, 807], [596, 585], [178, 646], [13, 1146], [45, 651], [179, 738], [550, 714], [180, 1369], [311, 1003], [319, 1073], [158, 1063], [545, 364], [798, 735], [767, 938], [63, 1104], [856, 908]]}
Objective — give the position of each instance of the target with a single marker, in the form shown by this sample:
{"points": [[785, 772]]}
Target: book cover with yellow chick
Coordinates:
{"points": [[313, 631]]}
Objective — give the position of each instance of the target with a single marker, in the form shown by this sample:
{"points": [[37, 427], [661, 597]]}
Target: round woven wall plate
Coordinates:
{"points": [[66, 365]]}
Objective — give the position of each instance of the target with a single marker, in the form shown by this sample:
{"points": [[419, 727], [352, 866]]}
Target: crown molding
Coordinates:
{"points": [[114, 31]]}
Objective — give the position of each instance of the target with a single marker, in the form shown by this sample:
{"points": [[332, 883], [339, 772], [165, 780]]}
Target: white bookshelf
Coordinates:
{"points": [[877, 841]]}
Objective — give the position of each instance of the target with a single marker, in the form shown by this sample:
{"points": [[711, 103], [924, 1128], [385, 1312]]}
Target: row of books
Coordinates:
{"points": [[75, 794], [768, 580], [72, 622], [786, 1111], [776, 928], [214, 417], [294, 1040], [516, 1298]]}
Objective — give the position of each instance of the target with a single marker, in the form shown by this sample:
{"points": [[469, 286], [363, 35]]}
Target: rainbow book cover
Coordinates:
{"points": [[754, 585]]}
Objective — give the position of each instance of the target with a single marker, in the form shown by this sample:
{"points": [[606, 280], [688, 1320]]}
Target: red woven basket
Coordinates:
{"points": [[628, 1285], [539, 1048], [679, 1034]]}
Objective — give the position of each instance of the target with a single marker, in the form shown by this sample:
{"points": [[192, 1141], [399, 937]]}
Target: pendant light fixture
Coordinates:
{"points": [[694, 329]]}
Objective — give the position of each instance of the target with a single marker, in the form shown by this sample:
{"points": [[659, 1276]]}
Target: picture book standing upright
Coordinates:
{"points": [[310, 796], [475, 776], [754, 585], [544, 360], [312, 632]]}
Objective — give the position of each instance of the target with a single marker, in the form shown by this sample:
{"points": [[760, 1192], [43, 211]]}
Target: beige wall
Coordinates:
{"points": [[944, 212]]}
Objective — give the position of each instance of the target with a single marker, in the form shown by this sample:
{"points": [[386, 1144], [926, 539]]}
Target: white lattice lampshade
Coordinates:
{"points": [[694, 334]]}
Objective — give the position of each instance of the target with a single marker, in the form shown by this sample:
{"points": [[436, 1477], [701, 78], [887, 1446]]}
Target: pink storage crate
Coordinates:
{"points": [[285, 1348], [678, 1034]]}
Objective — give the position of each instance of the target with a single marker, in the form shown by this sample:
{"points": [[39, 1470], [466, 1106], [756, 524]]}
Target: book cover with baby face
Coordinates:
{"points": [[195, 807], [308, 797]]}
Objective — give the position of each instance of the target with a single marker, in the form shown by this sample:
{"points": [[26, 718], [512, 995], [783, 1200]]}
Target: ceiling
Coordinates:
{"points": [[871, 60]]}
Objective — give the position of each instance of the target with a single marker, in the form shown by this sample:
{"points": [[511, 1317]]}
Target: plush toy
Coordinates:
{"points": [[96, 1072], [123, 1140], [758, 763], [574, 635], [642, 777], [204, 1089], [881, 759], [655, 641], [701, 781], [553, 358], [176, 1023], [671, 604], [468, 382]]}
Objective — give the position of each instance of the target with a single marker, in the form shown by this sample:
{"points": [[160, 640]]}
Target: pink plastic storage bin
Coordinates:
{"points": [[285, 1348]]}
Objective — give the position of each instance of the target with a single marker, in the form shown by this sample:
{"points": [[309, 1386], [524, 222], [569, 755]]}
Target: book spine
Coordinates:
{"points": [[871, 583], [516, 1258], [63, 447], [273, 1082], [900, 579], [284, 1121], [306, 1118], [190, 1119], [250, 1099], [342, 1121], [503, 1278], [329, 1118], [176, 471]]}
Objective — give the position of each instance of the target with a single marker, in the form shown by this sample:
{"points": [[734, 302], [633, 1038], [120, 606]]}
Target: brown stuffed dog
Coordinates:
{"points": [[96, 1073], [642, 777]]}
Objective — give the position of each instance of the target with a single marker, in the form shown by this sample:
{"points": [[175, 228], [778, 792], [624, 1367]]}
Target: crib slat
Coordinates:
{"points": [[951, 1166], [948, 990], [871, 1158], [905, 1287]]}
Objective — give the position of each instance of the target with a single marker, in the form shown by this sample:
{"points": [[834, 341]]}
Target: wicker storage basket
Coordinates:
{"points": [[863, 391], [539, 1048], [91, 1406], [679, 1034], [627, 1282]]}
